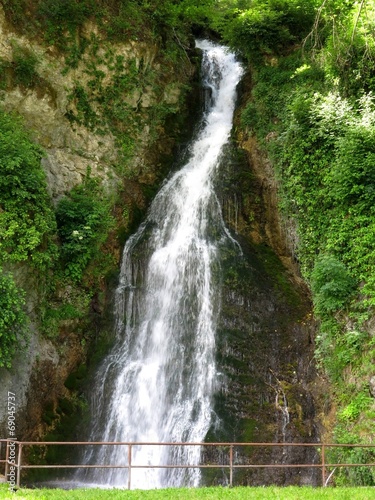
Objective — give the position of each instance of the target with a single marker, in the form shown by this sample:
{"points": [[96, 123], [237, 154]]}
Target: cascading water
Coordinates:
{"points": [[158, 382]]}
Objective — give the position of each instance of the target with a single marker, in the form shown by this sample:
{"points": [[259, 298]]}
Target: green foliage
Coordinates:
{"points": [[27, 221], [361, 476], [353, 175], [13, 320], [267, 27], [21, 70], [174, 14], [331, 285], [84, 111], [338, 349], [24, 63], [53, 316], [347, 28], [126, 20], [349, 417], [83, 221], [353, 410], [278, 89], [62, 18], [60, 22], [330, 179]]}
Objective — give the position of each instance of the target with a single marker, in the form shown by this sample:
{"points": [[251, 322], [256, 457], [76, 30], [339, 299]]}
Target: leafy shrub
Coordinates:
{"points": [[27, 220], [349, 51], [83, 221], [353, 174], [13, 320], [326, 165], [353, 476], [268, 26], [331, 284], [348, 418], [24, 63], [61, 16], [352, 411]]}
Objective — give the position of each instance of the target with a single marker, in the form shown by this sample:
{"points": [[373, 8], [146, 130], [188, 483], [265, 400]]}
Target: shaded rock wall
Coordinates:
{"points": [[272, 392]]}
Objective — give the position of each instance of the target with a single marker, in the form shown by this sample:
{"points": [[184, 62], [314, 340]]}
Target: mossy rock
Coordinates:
{"points": [[75, 379]]}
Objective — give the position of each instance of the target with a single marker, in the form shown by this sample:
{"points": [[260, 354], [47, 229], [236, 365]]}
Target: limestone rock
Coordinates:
{"points": [[372, 385]]}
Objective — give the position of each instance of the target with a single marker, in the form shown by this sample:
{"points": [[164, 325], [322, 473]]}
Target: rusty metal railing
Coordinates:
{"points": [[14, 455]]}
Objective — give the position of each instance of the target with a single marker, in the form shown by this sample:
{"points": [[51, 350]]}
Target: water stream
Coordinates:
{"points": [[158, 382]]}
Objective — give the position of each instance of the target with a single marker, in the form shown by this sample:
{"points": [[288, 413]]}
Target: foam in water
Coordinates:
{"points": [[158, 382]]}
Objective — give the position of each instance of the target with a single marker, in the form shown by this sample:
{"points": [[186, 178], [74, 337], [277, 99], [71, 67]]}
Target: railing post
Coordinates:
{"points": [[323, 466], [129, 465], [6, 461], [19, 464], [231, 466]]}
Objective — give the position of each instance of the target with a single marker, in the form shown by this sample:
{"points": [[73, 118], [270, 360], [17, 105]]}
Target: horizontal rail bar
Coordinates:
{"points": [[221, 446], [140, 443], [203, 466], [81, 466]]}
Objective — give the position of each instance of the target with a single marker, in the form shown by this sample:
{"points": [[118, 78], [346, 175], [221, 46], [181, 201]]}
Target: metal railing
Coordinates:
{"points": [[13, 464]]}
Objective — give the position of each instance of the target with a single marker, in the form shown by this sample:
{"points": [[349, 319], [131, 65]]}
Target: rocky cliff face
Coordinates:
{"points": [[44, 103], [110, 114], [56, 101]]}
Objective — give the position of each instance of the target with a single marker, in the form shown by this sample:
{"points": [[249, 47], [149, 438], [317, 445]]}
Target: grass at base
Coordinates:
{"points": [[287, 493]]}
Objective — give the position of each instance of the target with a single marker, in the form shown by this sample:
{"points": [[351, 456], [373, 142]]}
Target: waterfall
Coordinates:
{"points": [[158, 381]]}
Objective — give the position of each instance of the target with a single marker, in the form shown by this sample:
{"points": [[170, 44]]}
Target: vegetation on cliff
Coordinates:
{"points": [[27, 226], [312, 108], [26, 217]]}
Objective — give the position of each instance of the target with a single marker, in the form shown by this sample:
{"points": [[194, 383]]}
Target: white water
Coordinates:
{"points": [[158, 383]]}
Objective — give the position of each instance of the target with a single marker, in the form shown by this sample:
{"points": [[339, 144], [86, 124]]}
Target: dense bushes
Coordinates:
{"points": [[331, 285], [60, 22], [27, 226], [29, 231], [27, 221], [83, 220], [325, 154], [343, 38], [329, 177], [13, 320], [266, 27]]}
